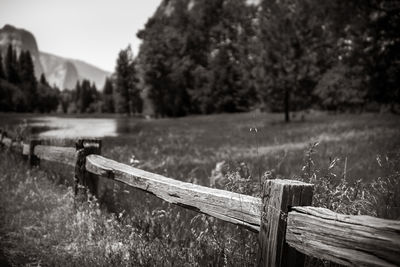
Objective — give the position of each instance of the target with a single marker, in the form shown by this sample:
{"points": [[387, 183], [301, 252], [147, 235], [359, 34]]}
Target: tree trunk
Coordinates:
{"points": [[286, 103]]}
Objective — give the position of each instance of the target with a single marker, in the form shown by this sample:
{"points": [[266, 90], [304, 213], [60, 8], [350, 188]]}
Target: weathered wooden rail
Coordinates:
{"points": [[289, 227]]}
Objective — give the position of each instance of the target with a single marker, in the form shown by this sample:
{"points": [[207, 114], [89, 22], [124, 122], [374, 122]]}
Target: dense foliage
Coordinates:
{"points": [[202, 57], [229, 56], [120, 93], [193, 57], [108, 97], [127, 94], [19, 89]]}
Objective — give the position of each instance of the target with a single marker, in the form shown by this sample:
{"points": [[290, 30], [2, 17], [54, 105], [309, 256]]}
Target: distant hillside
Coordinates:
{"points": [[88, 70], [59, 71], [55, 66]]}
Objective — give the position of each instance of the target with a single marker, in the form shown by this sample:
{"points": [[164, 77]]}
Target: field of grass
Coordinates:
{"points": [[352, 159]]}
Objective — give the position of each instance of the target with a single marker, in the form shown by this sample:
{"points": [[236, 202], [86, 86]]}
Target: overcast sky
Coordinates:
{"points": [[91, 30]]}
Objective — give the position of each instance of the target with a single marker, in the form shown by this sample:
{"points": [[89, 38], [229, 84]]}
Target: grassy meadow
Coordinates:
{"points": [[353, 160]]}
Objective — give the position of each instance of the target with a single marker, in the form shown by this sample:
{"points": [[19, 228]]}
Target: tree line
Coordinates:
{"points": [[203, 57], [20, 91], [228, 56], [120, 93]]}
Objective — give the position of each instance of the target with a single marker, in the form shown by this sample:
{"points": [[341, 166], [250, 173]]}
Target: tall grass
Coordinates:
{"points": [[334, 190], [42, 224], [352, 160]]}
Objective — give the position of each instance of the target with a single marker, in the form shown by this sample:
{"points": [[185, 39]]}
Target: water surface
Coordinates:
{"points": [[53, 127]]}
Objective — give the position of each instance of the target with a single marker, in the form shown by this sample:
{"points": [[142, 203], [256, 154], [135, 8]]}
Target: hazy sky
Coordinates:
{"points": [[90, 30]]}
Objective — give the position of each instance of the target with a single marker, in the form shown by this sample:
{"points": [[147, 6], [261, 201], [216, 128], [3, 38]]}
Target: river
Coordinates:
{"points": [[69, 127], [74, 127]]}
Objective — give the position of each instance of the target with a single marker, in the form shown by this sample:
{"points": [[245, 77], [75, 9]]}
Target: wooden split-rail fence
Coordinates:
{"points": [[289, 227]]}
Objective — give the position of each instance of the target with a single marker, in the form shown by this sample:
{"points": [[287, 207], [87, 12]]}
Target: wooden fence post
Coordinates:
{"points": [[83, 179], [278, 196], [33, 160]]}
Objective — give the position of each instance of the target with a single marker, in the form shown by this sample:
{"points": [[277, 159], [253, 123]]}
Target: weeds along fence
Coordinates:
{"points": [[289, 227]]}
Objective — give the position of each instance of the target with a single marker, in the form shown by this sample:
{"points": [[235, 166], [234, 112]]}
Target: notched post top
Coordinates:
{"points": [[278, 196], [92, 146]]}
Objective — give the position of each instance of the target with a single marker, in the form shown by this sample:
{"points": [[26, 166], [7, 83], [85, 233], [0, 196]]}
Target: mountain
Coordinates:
{"points": [[59, 71], [21, 40], [88, 70], [64, 72]]}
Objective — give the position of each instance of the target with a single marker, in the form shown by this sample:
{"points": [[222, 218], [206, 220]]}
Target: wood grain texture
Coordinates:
{"points": [[278, 196], [62, 142], [344, 239], [228, 206], [65, 155]]}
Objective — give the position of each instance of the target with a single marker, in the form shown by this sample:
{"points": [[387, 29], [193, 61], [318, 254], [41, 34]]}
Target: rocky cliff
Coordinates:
{"points": [[59, 71], [64, 72], [21, 40]]}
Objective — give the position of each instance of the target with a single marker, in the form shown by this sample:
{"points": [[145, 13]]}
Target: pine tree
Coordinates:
{"points": [[108, 97], [228, 87], [43, 80], [127, 95], [136, 102], [84, 96], [6, 90], [11, 66], [28, 79], [93, 99], [166, 70], [178, 57], [47, 98], [77, 96], [122, 83], [225, 84], [374, 48], [296, 51]]}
